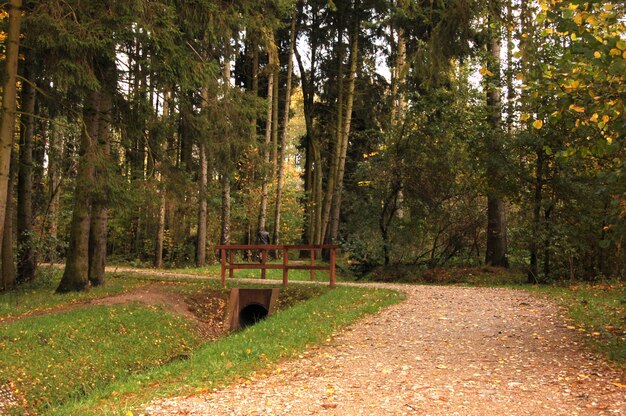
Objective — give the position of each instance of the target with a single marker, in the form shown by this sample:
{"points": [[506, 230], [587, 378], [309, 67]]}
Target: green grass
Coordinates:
{"points": [[39, 296], [281, 336], [54, 358], [596, 310]]}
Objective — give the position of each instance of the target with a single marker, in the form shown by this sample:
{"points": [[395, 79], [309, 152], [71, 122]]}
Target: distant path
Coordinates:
{"points": [[444, 351]]}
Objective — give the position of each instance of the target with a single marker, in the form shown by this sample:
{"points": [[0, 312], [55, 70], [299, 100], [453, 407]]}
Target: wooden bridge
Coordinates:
{"points": [[227, 259]]}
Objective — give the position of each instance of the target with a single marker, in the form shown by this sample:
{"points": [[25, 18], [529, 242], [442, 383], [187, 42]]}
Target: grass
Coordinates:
{"points": [[596, 310], [39, 296], [100, 359], [51, 359], [281, 336]]}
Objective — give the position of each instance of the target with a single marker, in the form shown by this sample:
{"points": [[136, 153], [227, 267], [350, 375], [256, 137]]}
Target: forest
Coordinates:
{"points": [[417, 133]]}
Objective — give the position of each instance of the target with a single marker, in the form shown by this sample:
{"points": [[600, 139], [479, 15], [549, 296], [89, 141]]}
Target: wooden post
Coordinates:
{"points": [[263, 262], [332, 267], [312, 264], [223, 261], [285, 265], [231, 269]]}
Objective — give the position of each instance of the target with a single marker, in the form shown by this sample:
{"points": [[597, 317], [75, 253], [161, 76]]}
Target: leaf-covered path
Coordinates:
{"points": [[443, 351]]}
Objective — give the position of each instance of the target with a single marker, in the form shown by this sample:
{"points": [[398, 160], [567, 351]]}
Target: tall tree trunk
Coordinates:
{"points": [[496, 218], [160, 234], [76, 274], [399, 74], [54, 185], [354, 50], [332, 174], [225, 234], [268, 132], [547, 241], [283, 138], [308, 93], [275, 118], [26, 251], [99, 211], [202, 207], [533, 272], [9, 273], [9, 94]]}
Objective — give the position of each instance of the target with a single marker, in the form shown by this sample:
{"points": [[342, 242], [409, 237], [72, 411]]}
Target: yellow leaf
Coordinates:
{"points": [[624, 55], [597, 54], [608, 7], [129, 413], [573, 36], [577, 108], [484, 71], [537, 124], [578, 19], [544, 6], [594, 118], [605, 118], [615, 52], [621, 386], [519, 77], [524, 117], [621, 45]]}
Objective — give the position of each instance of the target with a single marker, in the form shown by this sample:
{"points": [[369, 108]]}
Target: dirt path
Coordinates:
{"points": [[444, 351]]}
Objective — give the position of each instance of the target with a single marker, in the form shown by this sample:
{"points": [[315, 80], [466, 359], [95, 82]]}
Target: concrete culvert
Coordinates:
{"points": [[248, 306], [251, 314]]}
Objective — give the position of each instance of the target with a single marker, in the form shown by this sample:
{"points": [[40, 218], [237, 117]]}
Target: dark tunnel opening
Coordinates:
{"points": [[251, 314]]}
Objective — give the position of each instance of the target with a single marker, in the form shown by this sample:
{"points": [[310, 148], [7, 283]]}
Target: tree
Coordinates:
{"points": [[9, 94]]}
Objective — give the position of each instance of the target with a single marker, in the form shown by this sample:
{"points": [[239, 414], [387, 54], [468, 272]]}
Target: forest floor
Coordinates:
{"points": [[443, 351]]}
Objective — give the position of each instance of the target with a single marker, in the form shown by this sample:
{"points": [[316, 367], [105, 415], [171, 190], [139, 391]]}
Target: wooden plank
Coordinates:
{"points": [[285, 266], [312, 272], [223, 261], [333, 255], [264, 262]]}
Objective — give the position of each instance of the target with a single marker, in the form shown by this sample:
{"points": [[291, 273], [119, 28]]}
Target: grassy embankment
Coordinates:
{"points": [[108, 359]]}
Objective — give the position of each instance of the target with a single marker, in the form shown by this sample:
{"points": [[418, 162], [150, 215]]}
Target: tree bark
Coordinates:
{"points": [[160, 234], [268, 133], [76, 274], [399, 75], [26, 252], [9, 273], [9, 93], [337, 195], [99, 211], [283, 138], [225, 234], [332, 174], [202, 207], [496, 254], [54, 185]]}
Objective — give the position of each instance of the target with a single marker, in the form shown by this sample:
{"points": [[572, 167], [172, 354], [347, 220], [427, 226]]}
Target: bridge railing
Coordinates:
{"points": [[227, 259]]}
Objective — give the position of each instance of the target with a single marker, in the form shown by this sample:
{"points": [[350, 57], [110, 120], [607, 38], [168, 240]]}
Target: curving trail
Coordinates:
{"points": [[443, 351]]}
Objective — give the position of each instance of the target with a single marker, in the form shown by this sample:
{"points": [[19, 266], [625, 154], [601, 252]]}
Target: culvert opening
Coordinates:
{"points": [[251, 314]]}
